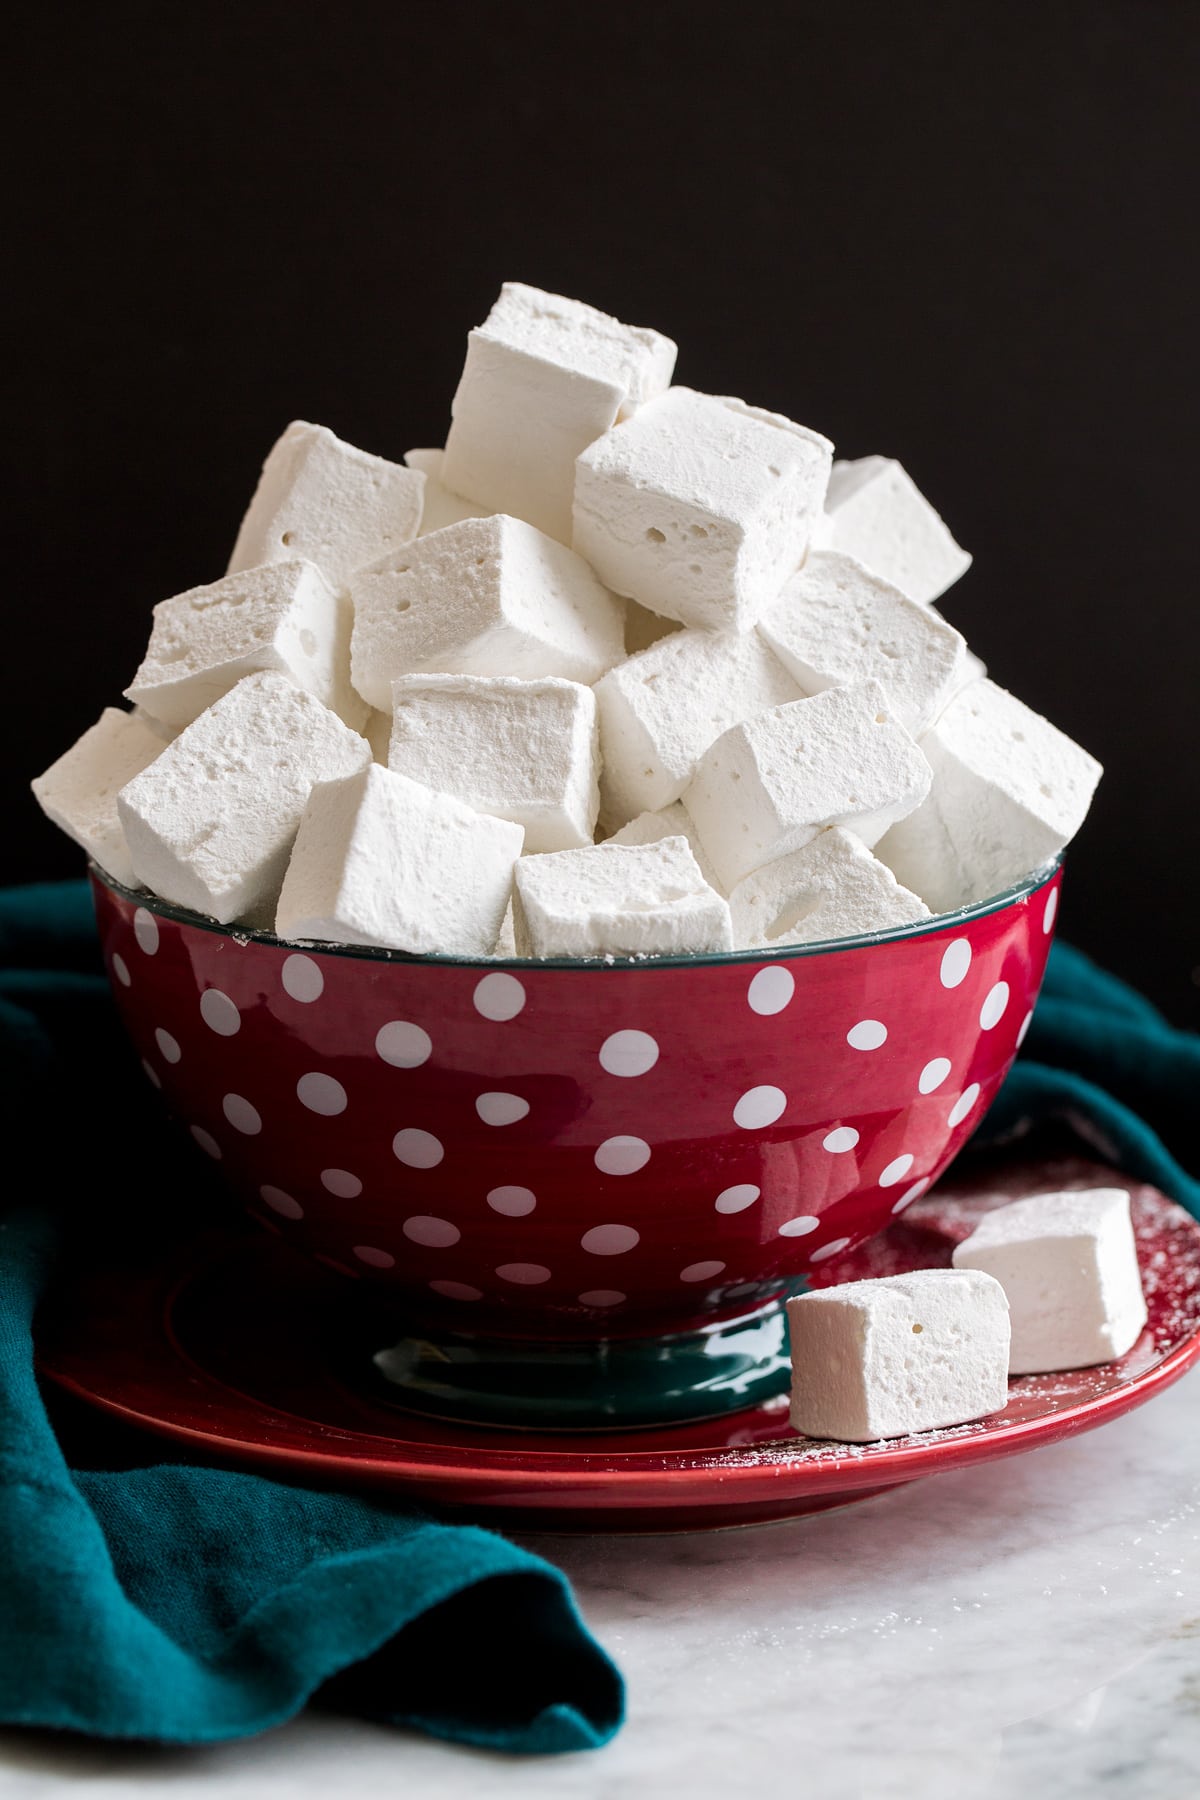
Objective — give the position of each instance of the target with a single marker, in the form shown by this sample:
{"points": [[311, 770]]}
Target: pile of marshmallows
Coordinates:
{"points": [[610, 609]]}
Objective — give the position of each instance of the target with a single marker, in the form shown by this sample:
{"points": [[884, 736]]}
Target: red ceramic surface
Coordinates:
{"points": [[579, 1149], [225, 1351]]}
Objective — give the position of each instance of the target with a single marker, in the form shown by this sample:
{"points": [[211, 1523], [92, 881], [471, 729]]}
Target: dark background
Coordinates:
{"points": [[954, 234]]}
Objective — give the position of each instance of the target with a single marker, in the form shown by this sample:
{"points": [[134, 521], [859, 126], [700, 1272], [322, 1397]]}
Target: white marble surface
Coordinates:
{"points": [[1027, 1628]]}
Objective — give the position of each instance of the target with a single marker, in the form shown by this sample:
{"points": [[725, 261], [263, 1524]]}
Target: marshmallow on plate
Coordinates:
{"points": [[324, 500], [661, 709], [441, 505], [670, 821], [875, 513], [484, 597], [905, 1353], [617, 899], [521, 750], [700, 507], [283, 616], [1009, 791], [382, 860], [769, 786], [831, 888], [79, 791], [835, 622], [544, 377], [1068, 1264], [210, 823]]}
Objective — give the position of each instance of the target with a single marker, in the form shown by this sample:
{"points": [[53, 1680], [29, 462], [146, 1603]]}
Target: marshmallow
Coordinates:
{"points": [[328, 502], [671, 821], [78, 793], [382, 860], [210, 824], [544, 377], [625, 900], [484, 597], [700, 507], [875, 513], [283, 616], [660, 711], [643, 627], [835, 622], [905, 1353], [831, 888], [1068, 1264], [1009, 791], [166, 734], [767, 787], [521, 750], [441, 505]]}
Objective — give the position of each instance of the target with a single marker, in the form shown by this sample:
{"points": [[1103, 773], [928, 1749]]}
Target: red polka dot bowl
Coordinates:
{"points": [[580, 1191]]}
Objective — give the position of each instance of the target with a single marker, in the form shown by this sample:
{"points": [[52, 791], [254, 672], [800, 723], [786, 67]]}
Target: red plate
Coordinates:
{"points": [[222, 1349]]}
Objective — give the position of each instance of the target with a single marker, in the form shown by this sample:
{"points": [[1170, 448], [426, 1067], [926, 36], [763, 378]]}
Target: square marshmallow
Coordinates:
{"points": [[441, 505], [831, 888], [670, 821], [769, 786], [700, 507], [1068, 1264], [660, 711], [835, 622], [78, 793], [323, 500], [284, 616], [905, 1353], [521, 750], [382, 860], [623, 900], [210, 823], [544, 377], [484, 597], [875, 513]]}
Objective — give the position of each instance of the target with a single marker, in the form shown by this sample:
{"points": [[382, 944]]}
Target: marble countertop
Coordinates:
{"points": [[1027, 1628]]}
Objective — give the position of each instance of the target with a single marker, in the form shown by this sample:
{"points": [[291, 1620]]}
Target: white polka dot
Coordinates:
{"points": [[737, 1199], [145, 930], [602, 1297], [868, 1034], [523, 1274], [342, 1183], [168, 1049], [770, 990], [896, 1170], [956, 960], [1026, 1022], [417, 1149], [282, 1203], [375, 1259], [628, 1053], [120, 969], [402, 1044], [622, 1155], [436, 1234], [241, 1115], [499, 997], [799, 1227], [514, 1202], [152, 1074], [456, 1290], [911, 1194], [994, 1007], [758, 1107], [963, 1105], [828, 1250], [933, 1074], [1050, 911], [501, 1109], [206, 1141], [701, 1271], [321, 1094], [302, 979], [609, 1240], [841, 1138], [219, 1013]]}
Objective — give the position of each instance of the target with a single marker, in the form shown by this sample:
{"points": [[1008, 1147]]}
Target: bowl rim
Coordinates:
{"points": [[241, 935]]}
